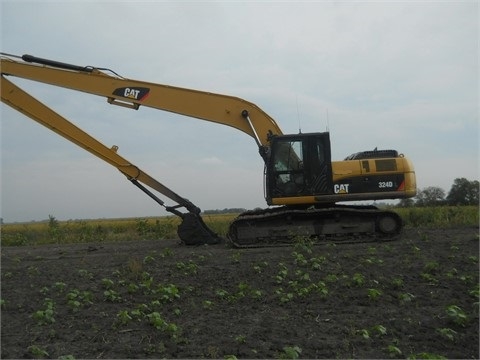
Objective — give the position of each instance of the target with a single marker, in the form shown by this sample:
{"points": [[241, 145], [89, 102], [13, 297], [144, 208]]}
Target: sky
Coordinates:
{"points": [[392, 74]]}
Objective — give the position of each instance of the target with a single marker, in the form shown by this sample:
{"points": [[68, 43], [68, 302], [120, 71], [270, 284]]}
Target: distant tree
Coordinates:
{"points": [[405, 203], [463, 192], [430, 196]]}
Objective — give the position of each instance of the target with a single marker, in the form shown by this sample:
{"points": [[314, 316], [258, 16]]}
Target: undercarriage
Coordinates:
{"points": [[284, 226]]}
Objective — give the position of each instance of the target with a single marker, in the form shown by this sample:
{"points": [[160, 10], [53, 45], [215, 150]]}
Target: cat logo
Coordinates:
{"points": [[134, 93], [340, 188]]}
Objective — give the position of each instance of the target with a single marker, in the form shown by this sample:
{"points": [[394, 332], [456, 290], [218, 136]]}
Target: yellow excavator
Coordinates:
{"points": [[303, 186]]}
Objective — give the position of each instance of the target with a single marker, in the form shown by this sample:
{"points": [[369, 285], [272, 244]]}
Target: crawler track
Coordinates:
{"points": [[338, 224]]}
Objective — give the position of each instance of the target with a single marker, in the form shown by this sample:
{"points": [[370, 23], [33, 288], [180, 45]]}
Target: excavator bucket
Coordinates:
{"points": [[193, 231]]}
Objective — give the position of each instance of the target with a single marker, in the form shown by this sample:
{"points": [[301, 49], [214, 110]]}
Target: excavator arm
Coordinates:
{"points": [[18, 99], [192, 229]]}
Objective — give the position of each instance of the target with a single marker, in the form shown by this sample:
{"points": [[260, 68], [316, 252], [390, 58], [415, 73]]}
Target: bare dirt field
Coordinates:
{"points": [[415, 297]]}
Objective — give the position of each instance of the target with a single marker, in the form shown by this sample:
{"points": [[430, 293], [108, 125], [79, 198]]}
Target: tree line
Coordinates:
{"points": [[462, 192]]}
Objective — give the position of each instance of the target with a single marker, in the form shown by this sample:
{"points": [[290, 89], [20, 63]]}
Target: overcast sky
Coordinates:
{"points": [[401, 75]]}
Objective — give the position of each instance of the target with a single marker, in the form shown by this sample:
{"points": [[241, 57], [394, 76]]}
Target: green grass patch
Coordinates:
{"points": [[440, 216]]}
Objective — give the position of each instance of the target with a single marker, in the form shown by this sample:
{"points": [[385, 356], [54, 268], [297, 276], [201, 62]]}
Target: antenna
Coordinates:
{"points": [[298, 117], [328, 122]]}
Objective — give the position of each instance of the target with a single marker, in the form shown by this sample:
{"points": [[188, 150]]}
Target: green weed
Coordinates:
{"points": [[207, 304], [291, 352], [456, 314], [77, 299], [112, 296], [241, 339], [447, 333], [85, 274], [406, 297], [374, 294], [46, 316], [394, 351], [358, 279], [260, 267], [364, 333], [167, 293], [380, 330], [161, 324], [123, 317], [38, 352], [189, 268]]}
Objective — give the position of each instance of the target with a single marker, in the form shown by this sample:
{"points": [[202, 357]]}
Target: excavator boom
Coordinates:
{"points": [[222, 109]]}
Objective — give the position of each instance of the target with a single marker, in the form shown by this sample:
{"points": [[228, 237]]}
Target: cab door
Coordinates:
{"points": [[299, 165]]}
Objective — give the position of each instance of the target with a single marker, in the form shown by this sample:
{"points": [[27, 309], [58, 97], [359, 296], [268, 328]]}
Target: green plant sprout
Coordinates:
{"points": [[282, 273], [207, 304], [374, 294], [260, 267], [45, 317], [167, 293], [299, 259], [456, 314], [38, 352], [148, 259], [291, 352], [363, 333], [85, 274], [60, 286], [397, 283], [107, 283], [190, 268], [160, 324], [380, 330], [112, 296], [222, 294], [393, 351], [123, 317], [447, 333], [241, 339], [358, 279], [406, 297], [76, 299]]}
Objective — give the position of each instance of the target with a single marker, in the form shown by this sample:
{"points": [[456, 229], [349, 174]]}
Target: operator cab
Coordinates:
{"points": [[299, 165]]}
